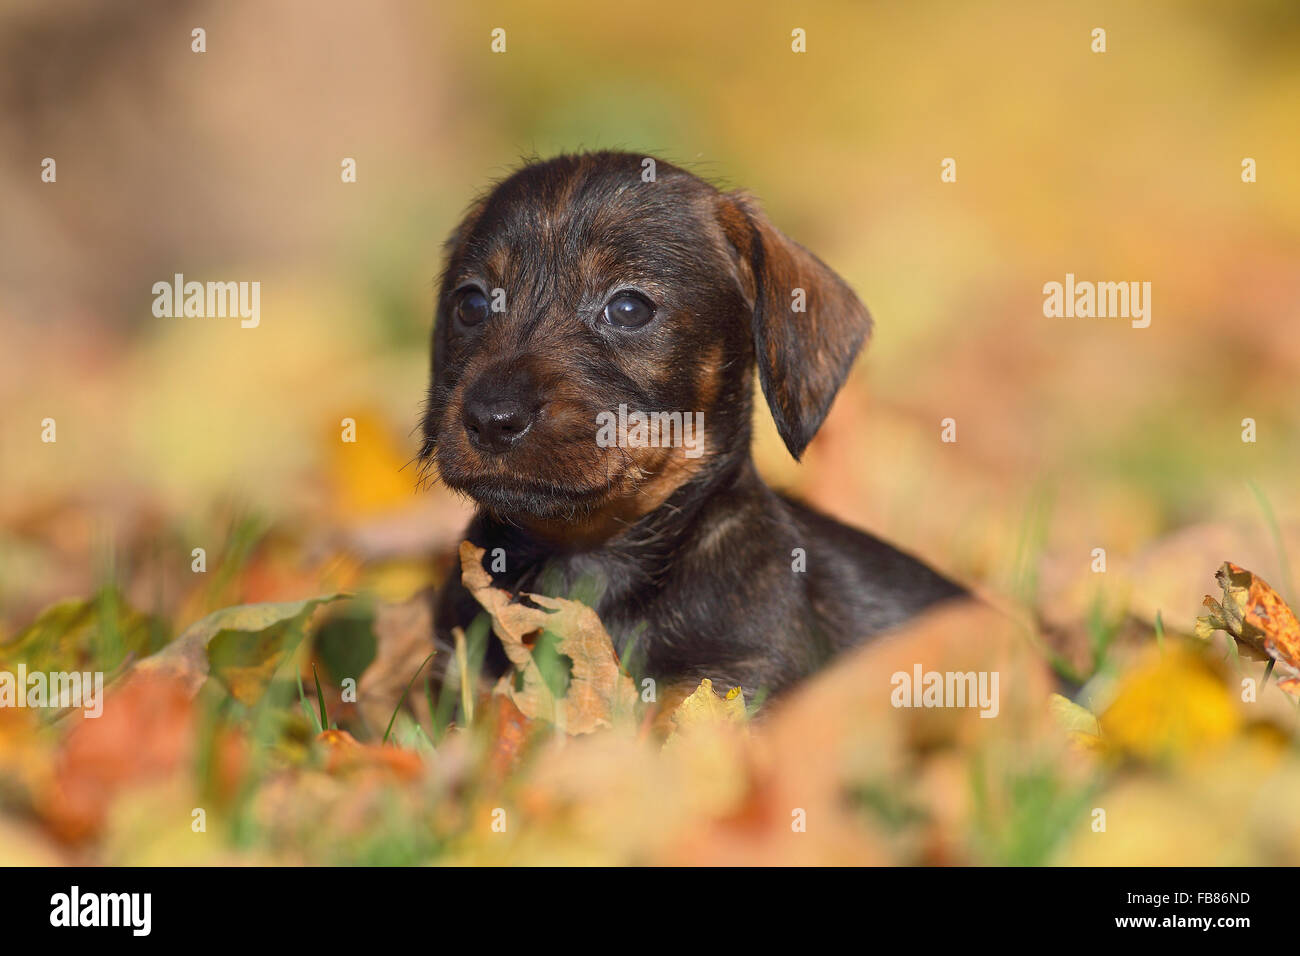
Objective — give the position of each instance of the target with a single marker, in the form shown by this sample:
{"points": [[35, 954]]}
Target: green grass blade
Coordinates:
{"points": [[306, 708], [320, 698], [401, 700]]}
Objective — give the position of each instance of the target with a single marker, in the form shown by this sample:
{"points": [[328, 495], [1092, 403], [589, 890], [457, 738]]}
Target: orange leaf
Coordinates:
{"points": [[1258, 619]]}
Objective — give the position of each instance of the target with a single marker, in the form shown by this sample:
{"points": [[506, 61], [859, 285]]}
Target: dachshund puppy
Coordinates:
{"points": [[590, 320]]}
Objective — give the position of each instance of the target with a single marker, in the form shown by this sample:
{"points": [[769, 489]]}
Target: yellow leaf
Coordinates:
{"points": [[367, 473], [1079, 723], [1171, 705], [704, 708]]}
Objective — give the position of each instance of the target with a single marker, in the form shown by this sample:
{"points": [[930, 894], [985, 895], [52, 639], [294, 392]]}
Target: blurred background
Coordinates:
{"points": [[1073, 434]]}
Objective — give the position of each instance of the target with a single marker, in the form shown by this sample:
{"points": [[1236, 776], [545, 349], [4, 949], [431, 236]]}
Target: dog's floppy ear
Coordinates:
{"points": [[808, 325]]}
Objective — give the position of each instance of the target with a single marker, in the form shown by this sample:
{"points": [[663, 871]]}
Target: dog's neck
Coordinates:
{"points": [[639, 544]]}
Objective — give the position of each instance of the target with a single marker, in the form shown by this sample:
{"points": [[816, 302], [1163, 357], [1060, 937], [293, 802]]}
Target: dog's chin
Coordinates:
{"points": [[527, 500], [513, 489]]}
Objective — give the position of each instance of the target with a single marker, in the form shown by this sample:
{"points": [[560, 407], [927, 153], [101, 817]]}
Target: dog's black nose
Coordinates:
{"points": [[495, 424]]}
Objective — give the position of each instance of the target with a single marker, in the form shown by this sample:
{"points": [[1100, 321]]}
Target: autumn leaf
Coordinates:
{"points": [[403, 635], [367, 471], [242, 646], [146, 732], [345, 754], [74, 634], [1162, 578], [510, 734], [1170, 705], [1257, 618], [705, 709], [598, 694], [1078, 722]]}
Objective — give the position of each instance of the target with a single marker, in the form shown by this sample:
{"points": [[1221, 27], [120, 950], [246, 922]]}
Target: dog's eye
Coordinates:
{"points": [[629, 310], [472, 307]]}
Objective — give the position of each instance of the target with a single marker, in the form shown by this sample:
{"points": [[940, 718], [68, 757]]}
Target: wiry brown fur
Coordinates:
{"points": [[690, 558]]}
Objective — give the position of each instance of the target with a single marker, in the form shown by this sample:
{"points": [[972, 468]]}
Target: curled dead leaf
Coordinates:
{"points": [[1258, 619], [242, 646], [599, 694]]}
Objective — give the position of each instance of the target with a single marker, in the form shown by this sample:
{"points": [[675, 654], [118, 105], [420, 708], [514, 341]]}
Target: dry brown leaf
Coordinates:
{"points": [[242, 645], [1257, 618], [599, 693], [1165, 576], [403, 642]]}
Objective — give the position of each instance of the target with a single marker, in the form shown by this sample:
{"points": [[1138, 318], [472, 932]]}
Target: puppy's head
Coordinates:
{"points": [[583, 285]]}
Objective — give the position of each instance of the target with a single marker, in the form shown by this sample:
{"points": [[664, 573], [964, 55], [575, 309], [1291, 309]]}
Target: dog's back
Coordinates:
{"points": [[861, 585]]}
